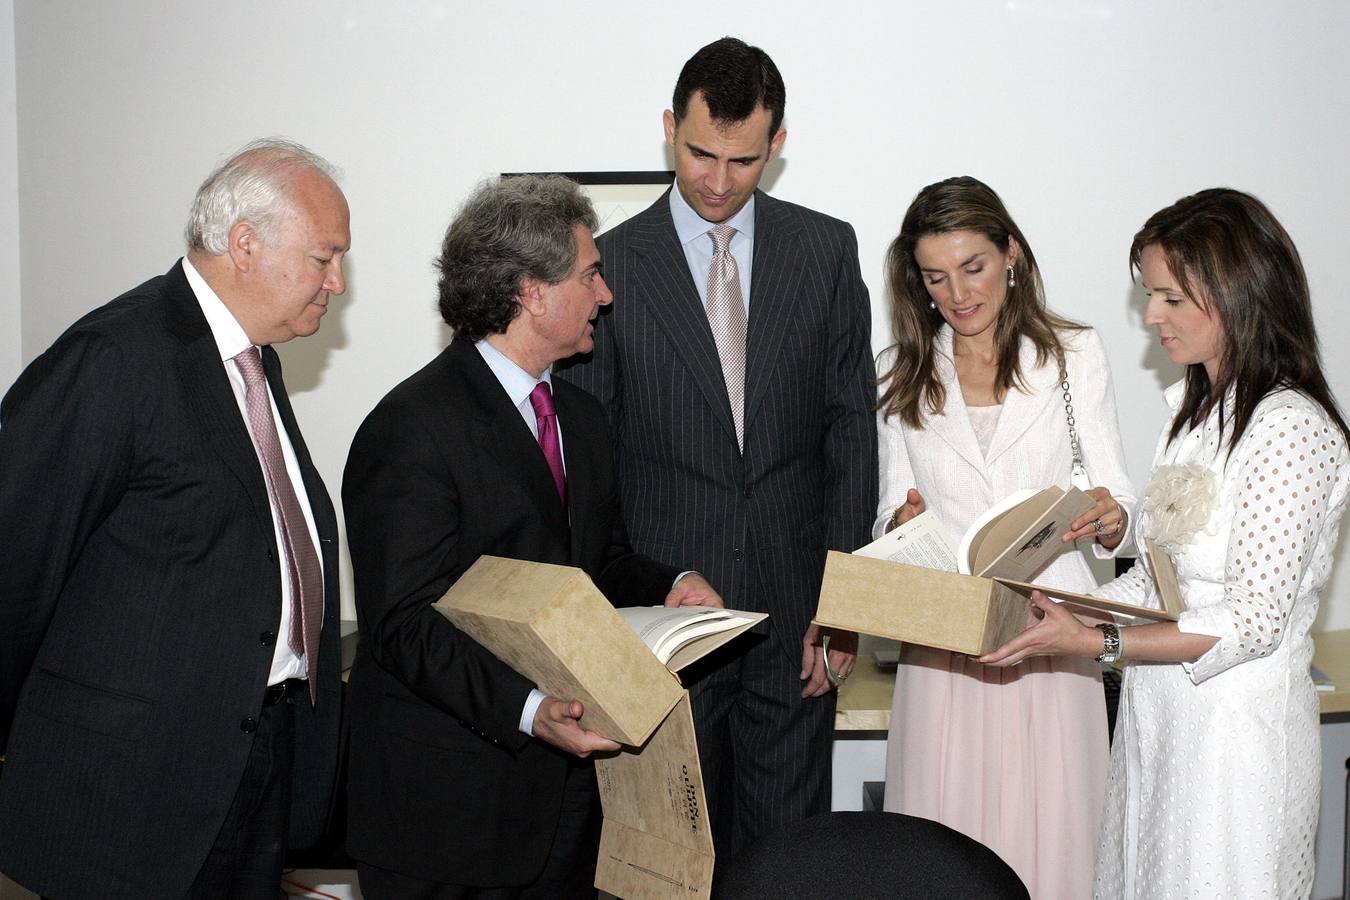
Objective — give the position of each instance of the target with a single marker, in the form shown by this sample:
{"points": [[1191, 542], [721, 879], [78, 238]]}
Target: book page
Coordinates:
{"points": [[666, 629], [922, 541]]}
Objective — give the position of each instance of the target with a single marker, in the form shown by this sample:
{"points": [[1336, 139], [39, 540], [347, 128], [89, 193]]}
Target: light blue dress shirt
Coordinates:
{"points": [[692, 230]]}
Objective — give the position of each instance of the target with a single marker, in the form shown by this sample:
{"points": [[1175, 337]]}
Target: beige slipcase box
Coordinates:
{"points": [[964, 613], [552, 625], [922, 606], [655, 843]]}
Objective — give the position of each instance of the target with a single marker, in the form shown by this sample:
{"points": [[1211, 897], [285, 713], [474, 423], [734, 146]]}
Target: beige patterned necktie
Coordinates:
{"points": [[302, 562], [726, 316]]}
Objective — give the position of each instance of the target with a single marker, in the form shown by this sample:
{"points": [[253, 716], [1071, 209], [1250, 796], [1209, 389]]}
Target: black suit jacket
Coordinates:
{"points": [[443, 785], [140, 596], [756, 524]]}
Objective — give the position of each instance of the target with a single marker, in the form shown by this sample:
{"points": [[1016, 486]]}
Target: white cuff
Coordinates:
{"points": [[531, 707]]}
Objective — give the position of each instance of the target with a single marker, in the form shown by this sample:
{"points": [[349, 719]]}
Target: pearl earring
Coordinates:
{"points": [[1012, 278], [932, 305]]}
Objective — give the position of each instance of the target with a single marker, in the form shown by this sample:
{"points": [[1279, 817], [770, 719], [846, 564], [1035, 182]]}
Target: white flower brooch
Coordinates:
{"points": [[1178, 502]]}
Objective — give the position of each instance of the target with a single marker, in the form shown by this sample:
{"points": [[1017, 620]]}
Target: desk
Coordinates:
{"points": [[1331, 654], [863, 717], [865, 699]]}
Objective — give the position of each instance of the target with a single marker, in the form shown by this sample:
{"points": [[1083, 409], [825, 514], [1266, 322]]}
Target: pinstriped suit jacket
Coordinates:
{"points": [[139, 599], [758, 524]]}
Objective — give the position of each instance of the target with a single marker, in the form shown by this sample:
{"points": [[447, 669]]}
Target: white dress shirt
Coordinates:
{"points": [[518, 385], [231, 341]]}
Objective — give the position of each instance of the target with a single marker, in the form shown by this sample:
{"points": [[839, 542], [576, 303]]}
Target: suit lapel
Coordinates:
{"points": [[506, 439], [661, 274], [1023, 406], [207, 388], [953, 426], [775, 281]]}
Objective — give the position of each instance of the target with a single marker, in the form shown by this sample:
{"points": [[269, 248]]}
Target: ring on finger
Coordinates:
{"points": [[1098, 526]]}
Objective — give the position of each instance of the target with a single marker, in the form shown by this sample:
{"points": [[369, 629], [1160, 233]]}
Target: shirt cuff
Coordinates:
{"points": [[531, 707], [681, 575]]}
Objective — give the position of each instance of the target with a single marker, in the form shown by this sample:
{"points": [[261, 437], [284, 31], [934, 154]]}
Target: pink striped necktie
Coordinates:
{"points": [[541, 398], [302, 562]]}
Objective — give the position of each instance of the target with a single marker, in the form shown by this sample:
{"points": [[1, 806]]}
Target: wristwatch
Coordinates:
{"points": [[1110, 643]]}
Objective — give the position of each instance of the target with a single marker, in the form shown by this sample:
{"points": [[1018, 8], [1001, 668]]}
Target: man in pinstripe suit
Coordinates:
{"points": [[736, 369], [164, 731]]}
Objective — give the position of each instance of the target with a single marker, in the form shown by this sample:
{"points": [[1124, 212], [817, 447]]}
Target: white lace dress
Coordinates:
{"points": [[1215, 767]]}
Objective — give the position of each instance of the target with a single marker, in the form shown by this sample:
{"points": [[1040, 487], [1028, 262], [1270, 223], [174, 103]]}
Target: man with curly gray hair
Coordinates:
{"points": [[463, 774], [169, 659]]}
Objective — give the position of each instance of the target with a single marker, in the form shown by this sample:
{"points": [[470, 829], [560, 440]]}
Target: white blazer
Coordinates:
{"points": [[1030, 447]]}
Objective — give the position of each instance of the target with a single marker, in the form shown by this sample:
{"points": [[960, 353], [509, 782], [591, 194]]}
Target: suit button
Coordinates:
{"points": [[267, 638], [737, 553], [249, 725], [746, 493]]}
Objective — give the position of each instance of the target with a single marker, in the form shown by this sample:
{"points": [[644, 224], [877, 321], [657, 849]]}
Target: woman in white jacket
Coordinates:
{"points": [[1216, 763], [973, 407]]}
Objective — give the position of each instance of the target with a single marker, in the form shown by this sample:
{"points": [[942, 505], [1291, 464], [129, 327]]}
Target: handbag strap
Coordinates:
{"points": [[1074, 445]]}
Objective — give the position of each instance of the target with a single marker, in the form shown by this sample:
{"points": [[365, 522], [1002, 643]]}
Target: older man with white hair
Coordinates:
{"points": [[168, 565]]}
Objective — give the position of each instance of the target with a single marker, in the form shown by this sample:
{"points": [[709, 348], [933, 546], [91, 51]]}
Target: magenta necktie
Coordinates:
{"points": [[302, 563], [541, 398]]}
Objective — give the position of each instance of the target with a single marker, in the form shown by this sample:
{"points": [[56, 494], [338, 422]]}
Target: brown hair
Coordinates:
{"points": [[959, 204], [1229, 251]]}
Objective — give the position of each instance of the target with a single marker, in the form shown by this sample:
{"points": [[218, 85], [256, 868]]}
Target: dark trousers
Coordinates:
{"points": [[765, 752], [246, 859], [568, 874]]}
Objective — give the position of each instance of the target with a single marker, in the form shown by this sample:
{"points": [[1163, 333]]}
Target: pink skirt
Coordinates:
{"points": [[1015, 758]]}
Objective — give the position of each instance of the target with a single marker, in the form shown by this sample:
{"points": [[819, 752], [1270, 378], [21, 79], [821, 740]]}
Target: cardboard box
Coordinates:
{"points": [[655, 843], [552, 625], [963, 613]]}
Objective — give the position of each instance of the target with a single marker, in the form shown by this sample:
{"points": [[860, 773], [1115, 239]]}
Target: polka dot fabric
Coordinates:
{"points": [[1215, 768]]}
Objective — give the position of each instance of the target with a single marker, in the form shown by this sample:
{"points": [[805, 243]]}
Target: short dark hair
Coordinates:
{"points": [[733, 78], [1234, 260], [508, 230]]}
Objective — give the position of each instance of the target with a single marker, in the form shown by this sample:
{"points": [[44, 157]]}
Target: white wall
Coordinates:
{"points": [[11, 354], [1087, 117]]}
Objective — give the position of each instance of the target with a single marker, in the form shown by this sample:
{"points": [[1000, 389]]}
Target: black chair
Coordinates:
{"points": [[867, 854]]}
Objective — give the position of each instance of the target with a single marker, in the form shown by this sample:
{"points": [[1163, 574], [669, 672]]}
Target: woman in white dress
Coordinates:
{"points": [[973, 408], [1215, 768]]}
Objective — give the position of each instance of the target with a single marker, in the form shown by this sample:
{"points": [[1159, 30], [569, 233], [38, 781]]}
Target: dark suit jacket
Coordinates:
{"points": [[140, 597], [757, 525], [443, 785]]}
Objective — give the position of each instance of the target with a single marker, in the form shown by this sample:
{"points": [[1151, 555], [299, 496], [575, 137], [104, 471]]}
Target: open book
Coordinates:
{"points": [[1015, 539], [691, 631]]}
